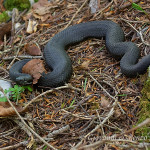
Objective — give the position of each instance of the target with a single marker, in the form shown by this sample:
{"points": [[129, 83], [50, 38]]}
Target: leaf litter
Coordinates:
{"points": [[35, 68], [32, 49], [95, 104]]}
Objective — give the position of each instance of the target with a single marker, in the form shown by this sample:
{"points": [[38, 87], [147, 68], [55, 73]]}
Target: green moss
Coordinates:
{"points": [[144, 112], [19, 4], [36, 1], [4, 17]]}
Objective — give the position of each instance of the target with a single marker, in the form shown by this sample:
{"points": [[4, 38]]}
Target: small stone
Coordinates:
{"points": [[5, 85]]}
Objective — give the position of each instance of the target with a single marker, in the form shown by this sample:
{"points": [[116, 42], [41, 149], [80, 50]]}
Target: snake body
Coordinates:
{"points": [[60, 63]]}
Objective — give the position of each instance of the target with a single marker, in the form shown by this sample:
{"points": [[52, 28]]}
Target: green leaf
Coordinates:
{"points": [[122, 95], [85, 82], [72, 102], [28, 87], [44, 148], [137, 7], [6, 91], [101, 48], [94, 69], [62, 105], [11, 89]]}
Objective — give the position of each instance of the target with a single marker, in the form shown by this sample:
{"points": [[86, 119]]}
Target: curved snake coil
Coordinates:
{"points": [[57, 59]]}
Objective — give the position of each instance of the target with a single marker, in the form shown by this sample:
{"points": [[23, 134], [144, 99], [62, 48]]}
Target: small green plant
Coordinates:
{"points": [[15, 92], [4, 17], [137, 7]]}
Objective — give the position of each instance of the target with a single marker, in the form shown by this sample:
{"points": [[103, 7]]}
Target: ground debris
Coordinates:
{"points": [[99, 107]]}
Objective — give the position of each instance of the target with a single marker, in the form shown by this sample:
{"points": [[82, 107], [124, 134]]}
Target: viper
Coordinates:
{"points": [[59, 62]]}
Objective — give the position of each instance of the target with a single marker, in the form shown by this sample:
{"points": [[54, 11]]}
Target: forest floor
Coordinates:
{"points": [[98, 108]]}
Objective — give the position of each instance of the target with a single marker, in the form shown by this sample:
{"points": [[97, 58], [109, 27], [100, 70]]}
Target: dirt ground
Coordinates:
{"points": [[98, 108]]}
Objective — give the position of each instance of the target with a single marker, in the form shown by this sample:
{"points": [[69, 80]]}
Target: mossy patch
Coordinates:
{"points": [[4, 17], [19, 4], [144, 112]]}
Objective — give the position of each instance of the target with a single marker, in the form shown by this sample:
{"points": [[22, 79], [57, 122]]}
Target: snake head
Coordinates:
{"points": [[24, 80]]}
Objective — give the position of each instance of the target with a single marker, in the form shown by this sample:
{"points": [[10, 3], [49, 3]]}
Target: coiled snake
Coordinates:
{"points": [[60, 63]]}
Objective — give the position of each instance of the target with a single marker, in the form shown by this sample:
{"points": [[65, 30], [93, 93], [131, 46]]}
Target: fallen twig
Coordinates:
{"points": [[24, 143], [15, 56], [107, 93], [49, 91], [76, 14], [24, 123], [111, 112], [22, 57], [145, 122], [139, 32]]}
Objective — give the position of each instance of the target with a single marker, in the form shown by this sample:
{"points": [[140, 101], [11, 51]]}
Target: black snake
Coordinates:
{"points": [[57, 59]]}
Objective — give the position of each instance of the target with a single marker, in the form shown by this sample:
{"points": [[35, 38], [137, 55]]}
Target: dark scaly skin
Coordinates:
{"points": [[16, 75], [57, 59]]}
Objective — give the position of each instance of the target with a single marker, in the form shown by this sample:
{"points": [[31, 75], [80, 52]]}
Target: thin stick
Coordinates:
{"points": [[132, 145], [49, 91], [21, 144], [107, 93], [145, 122], [76, 14], [97, 127], [15, 56], [22, 57], [139, 32], [24, 123], [104, 8]]}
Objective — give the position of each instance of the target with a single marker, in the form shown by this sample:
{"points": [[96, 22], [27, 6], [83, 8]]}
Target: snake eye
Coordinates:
{"points": [[24, 80]]}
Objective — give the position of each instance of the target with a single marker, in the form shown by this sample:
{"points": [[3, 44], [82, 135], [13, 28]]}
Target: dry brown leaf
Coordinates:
{"points": [[17, 39], [42, 18], [35, 68], [5, 29], [117, 113], [85, 64], [42, 9], [32, 49], [104, 102], [7, 110], [40, 3], [27, 16]]}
